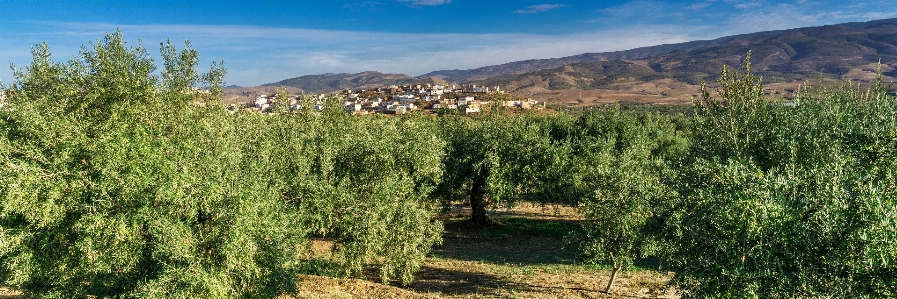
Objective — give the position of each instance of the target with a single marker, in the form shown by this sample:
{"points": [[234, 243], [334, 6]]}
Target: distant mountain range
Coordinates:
{"points": [[525, 66], [835, 51], [334, 82], [794, 55]]}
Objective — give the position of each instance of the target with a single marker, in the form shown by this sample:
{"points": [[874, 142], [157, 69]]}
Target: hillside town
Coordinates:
{"points": [[466, 99]]}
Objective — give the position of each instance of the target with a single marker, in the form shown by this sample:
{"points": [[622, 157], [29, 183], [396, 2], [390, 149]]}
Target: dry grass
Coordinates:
{"points": [[449, 278], [248, 94], [663, 92], [672, 92], [308, 286], [524, 256], [6, 292]]}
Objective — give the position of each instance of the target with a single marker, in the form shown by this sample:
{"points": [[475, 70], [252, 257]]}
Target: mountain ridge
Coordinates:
{"points": [[787, 56], [779, 55], [338, 81], [517, 67]]}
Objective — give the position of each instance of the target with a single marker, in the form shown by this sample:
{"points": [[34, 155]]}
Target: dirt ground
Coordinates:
{"points": [[672, 92], [523, 256], [660, 92], [6, 292]]}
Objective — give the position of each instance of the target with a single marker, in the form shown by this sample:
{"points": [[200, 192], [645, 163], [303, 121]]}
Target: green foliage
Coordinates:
{"points": [[620, 162], [117, 182], [120, 183], [474, 163], [362, 182], [495, 160], [785, 202]]}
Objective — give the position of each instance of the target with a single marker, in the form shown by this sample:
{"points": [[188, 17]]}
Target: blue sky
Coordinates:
{"points": [[267, 41]]}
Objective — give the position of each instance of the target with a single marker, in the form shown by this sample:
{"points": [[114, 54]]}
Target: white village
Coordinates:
{"points": [[468, 99]]}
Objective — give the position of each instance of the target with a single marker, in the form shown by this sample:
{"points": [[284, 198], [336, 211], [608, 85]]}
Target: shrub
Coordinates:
{"points": [[621, 161], [787, 201], [116, 182]]}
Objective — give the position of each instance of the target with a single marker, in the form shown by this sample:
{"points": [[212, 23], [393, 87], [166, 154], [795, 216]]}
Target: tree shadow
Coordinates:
{"points": [[458, 282], [512, 240]]}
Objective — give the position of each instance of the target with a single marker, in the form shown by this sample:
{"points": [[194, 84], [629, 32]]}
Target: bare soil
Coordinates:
{"points": [[672, 92], [6, 292], [662, 92], [249, 94], [309, 286], [523, 256]]}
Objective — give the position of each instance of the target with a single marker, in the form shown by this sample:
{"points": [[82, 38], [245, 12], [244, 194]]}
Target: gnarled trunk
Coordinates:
{"points": [[613, 276], [478, 202]]}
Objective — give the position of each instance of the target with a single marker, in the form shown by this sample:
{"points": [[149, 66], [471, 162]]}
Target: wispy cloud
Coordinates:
{"points": [[366, 5], [257, 55], [700, 5], [729, 17], [638, 9], [749, 4], [538, 8], [787, 16], [426, 2]]}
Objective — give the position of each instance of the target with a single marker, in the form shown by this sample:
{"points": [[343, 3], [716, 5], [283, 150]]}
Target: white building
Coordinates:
{"points": [[464, 100], [405, 98], [354, 107]]}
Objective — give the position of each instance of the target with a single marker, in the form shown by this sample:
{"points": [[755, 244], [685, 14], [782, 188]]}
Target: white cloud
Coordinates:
{"points": [[426, 2], [637, 9], [258, 55], [538, 8], [366, 5], [788, 16], [747, 5], [700, 5]]}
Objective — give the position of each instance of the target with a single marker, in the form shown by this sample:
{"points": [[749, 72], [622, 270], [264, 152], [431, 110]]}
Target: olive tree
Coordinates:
{"points": [[493, 161], [118, 182], [787, 201], [363, 183], [620, 160]]}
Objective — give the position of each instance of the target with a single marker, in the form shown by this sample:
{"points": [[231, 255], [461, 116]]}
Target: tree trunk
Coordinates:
{"points": [[613, 277], [478, 203]]}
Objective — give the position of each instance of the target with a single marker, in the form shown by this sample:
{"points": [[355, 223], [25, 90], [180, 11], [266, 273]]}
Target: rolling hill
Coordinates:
{"points": [[519, 67], [784, 57], [334, 82]]}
